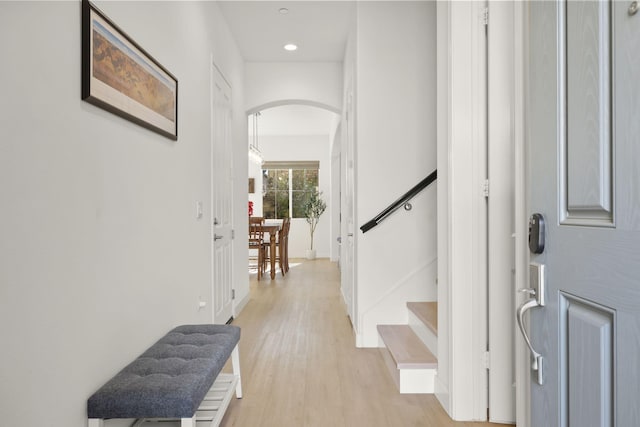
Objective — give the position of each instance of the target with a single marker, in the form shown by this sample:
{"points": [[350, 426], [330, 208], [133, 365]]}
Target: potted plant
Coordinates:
{"points": [[312, 208]]}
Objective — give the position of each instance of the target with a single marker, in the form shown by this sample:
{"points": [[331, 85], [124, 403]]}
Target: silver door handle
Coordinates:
{"points": [[536, 365], [217, 237]]}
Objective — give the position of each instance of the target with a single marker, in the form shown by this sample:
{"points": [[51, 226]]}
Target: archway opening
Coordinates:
{"points": [[292, 145]]}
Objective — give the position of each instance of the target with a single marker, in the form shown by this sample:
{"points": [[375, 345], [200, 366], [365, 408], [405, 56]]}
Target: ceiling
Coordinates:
{"points": [[319, 28]]}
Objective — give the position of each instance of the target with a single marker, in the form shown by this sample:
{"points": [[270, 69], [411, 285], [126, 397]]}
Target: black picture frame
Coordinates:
{"points": [[119, 76]]}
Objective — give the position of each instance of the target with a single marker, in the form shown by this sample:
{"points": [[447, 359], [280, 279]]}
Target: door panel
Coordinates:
{"points": [[586, 342], [583, 147], [587, 148]]}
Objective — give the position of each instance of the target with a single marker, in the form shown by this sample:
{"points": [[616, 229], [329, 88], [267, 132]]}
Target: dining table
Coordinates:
{"points": [[272, 227]]}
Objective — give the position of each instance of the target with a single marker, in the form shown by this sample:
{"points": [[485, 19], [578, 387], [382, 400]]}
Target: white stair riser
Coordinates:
{"points": [[417, 381], [425, 334], [410, 381]]}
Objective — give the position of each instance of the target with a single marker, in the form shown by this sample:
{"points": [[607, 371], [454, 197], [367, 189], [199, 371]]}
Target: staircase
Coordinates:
{"points": [[409, 350]]}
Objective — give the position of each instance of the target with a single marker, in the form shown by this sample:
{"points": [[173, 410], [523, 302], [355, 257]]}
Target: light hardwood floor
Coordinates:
{"points": [[300, 366]]}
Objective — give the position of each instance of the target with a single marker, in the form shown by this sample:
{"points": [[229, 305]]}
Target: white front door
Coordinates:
{"points": [[222, 197], [584, 179]]}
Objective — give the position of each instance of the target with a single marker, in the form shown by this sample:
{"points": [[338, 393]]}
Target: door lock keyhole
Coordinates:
{"points": [[536, 233]]}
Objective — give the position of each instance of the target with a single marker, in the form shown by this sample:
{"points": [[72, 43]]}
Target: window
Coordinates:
{"points": [[286, 185]]}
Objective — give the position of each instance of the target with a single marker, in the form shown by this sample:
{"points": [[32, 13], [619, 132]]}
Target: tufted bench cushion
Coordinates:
{"points": [[171, 378]]}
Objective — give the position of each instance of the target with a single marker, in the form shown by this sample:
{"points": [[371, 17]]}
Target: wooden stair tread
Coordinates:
{"points": [[427, 312], [405, 347]]}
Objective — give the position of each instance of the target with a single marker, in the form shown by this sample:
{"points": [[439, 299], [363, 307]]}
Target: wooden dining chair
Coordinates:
{"points": [[256, 220], [286, 226], [256, 239], [281, 255]]}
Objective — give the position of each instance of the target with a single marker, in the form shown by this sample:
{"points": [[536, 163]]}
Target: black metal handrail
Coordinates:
{"points": [[402, 201]]}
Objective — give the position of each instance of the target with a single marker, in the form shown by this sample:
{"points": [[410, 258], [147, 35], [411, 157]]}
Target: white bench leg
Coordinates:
{"points": [[188, 422], [96, 422], [235, 364]]}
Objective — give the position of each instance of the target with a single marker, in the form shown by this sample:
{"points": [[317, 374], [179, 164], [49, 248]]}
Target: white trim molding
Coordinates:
{"points": [[501, 260], [461, 386], [521, 209]]}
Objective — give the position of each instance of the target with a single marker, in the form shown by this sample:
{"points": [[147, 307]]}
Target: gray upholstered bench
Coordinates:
{"points": [[176, 378]]}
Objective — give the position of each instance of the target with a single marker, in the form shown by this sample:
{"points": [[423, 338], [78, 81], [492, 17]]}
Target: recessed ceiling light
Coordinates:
{"points": [[283, 10], [290, 47]]}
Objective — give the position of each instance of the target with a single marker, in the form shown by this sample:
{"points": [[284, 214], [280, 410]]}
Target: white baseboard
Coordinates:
{"points": [[442, 394], [240, 305], [360, 341]]}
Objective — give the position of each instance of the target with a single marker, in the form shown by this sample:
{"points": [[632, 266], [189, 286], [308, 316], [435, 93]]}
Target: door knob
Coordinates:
{"points": [[531, 292], [536, 299], [536, 365], [217, 237]]}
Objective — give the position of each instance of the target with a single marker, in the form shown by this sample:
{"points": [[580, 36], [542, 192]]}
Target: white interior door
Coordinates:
{"points": [[336, 227], [583, 150], [347, 255], [222, 197]]}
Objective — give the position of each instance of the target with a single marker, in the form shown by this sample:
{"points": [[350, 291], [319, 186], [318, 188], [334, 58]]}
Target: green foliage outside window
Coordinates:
{"points": [[286, 191]]}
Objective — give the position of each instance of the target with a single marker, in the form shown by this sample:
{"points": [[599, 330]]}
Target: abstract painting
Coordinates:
{"points": [[121, 77]]}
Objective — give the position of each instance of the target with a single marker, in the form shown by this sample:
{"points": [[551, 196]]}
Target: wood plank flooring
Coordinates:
{"points": [[300, 366], [406, 349]]}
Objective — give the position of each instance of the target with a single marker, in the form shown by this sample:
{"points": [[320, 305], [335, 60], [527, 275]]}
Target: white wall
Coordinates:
{"points": [[274, 83], [396, 148], [305, 147], [101, 252]]}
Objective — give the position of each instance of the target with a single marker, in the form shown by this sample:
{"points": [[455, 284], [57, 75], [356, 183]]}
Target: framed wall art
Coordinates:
{"points": [[121, 77]]}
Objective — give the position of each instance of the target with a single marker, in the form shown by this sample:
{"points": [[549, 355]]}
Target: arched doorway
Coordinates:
{"points": [[296, 143]]}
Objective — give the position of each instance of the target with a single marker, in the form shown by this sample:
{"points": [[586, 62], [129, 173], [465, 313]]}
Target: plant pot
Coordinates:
{"points": [[311, 254]]}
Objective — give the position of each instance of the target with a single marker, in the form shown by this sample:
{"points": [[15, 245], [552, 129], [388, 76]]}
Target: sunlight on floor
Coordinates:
{"points": [[253, 268]]}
